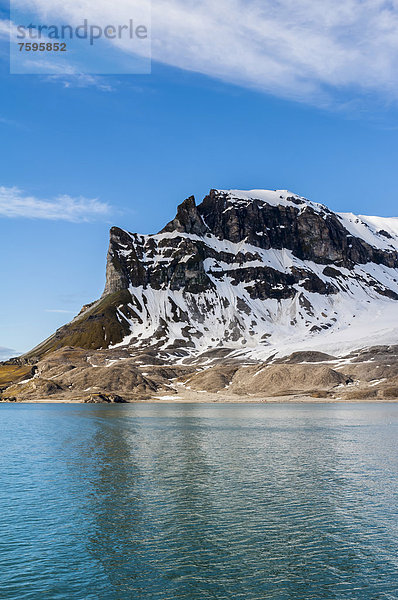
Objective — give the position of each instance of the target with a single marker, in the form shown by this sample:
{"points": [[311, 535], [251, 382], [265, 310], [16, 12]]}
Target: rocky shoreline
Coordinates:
{"points": [[78, 375]]}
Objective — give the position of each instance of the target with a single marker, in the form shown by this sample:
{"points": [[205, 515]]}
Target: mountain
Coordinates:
{"points": [[257, 272], [242, 278]]}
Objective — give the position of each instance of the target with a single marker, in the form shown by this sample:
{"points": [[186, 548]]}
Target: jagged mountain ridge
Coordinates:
{"points": [[246, 272]]}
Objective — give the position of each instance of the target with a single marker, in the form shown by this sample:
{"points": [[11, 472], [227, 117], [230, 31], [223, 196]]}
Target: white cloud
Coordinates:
{"points": [[69, 76], [294, 48], [14, 203], [302, 49], [4, 29], [6, 353], [80, 80]]}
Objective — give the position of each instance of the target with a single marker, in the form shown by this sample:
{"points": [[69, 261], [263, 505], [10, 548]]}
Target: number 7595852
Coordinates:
{"points": [[42, 47]]}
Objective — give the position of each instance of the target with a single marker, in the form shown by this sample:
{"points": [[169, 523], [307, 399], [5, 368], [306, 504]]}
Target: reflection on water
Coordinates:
{"points": [[196, 502]]}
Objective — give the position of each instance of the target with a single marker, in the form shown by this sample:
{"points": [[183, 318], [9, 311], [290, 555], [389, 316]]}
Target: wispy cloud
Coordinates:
{"points": [[6, 353], [307, 50], [79, 80], [5, 121], [14, 203], [14, 124], [70, 77], [5, 29]]}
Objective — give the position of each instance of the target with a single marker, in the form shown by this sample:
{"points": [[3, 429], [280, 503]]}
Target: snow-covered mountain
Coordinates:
{"points": [[252, 273]]}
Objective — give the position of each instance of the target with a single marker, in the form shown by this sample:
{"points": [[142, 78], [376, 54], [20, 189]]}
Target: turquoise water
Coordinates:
{"points": [[189, 502]]}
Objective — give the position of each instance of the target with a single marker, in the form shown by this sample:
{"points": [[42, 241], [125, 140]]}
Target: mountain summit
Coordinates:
{"points": [[245, 273]]}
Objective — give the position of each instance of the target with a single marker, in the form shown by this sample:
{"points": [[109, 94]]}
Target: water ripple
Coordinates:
{"points": [[165, 502]]}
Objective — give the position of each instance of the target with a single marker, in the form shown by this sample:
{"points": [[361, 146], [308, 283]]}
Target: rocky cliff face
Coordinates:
{"points": [[252, 273]]}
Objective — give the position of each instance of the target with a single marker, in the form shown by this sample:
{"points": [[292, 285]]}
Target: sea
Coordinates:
{"points": [[199, 501]]}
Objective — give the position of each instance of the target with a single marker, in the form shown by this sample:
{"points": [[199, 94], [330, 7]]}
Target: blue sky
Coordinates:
{"points": [[80, 154]]}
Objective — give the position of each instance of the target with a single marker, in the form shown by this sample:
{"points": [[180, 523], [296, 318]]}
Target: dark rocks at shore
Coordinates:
{"points": [[105, 399]]}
